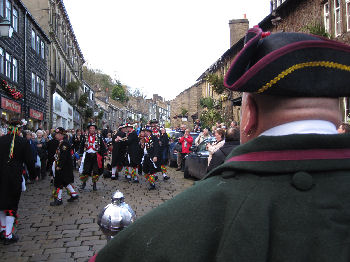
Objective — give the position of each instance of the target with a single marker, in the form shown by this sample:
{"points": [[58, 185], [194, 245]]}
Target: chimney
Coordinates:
{"points": [[238, 29]]}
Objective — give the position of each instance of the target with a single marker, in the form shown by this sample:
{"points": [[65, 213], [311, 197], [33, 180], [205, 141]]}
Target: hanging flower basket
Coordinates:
{"points": [[11, 91]]}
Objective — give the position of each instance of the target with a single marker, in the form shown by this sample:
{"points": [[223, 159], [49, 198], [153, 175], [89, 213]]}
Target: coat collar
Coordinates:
{"points": [[292, 153]]}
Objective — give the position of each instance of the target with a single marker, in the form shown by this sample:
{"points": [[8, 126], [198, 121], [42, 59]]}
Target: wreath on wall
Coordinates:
{"points": [[11, 91]]}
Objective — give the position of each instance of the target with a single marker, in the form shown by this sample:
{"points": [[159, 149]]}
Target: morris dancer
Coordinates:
{"points": [[63, 170], [150, 146], [134, 152], [94, 149], [14, 151], [118, 152]]}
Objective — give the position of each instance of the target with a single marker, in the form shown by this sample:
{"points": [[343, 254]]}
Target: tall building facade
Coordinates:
{"points": [[23, 67], [65, 60]]}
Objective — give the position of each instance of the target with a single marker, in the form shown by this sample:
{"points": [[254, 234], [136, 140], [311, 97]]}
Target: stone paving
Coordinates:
{"points": [[69, 232]]}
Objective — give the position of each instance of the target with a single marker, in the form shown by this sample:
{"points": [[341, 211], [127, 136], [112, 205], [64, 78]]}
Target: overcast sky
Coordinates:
{"points": [[158, 46]]}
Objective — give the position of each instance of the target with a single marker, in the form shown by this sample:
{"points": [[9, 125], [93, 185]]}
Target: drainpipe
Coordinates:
{"points": [[25, 66]]}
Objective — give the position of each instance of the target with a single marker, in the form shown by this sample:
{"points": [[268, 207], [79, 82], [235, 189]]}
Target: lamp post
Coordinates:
{"points": [[6, 29]]}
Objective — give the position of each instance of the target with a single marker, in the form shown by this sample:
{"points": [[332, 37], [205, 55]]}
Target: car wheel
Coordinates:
{"points": [[186, 172]]}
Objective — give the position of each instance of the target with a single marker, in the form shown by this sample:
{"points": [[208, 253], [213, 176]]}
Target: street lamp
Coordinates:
{"points": [[6, 29]]}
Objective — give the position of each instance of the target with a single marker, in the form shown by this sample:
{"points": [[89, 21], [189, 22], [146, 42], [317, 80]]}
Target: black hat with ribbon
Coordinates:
{"points": [[290, 64], [91, 124]]}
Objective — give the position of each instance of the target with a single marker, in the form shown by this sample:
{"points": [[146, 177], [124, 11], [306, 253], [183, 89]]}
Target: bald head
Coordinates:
{"points": [[262, 112]]}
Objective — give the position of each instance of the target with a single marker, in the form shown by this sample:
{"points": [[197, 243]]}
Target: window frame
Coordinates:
{"points": [[336, 10], [33, 82], [8, 65], [15, 19], [33, 39], [42, 49], [326, 18], [14, 70], [2, 10], [37, 87], [37, 44], [347, 5], [2, 61], [8, 11], [42, 86]]}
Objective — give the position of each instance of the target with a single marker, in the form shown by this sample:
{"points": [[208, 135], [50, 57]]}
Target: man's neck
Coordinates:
{"points": [[302, 127]]}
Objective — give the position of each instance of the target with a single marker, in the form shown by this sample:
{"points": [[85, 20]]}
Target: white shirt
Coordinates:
{"points": [[302, 127]]}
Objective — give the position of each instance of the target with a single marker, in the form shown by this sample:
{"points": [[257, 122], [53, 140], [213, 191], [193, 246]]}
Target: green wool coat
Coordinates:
{"points": [[275, 199]]}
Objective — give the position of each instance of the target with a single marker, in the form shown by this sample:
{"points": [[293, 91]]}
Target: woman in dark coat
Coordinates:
{"points": [[163, 149]]}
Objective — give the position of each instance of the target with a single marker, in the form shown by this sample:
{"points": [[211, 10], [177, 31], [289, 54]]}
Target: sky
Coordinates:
{"points": [[158, 46]]}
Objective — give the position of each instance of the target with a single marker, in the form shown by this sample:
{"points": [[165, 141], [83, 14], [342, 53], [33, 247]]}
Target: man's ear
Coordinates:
{"points": [[251, 116]]}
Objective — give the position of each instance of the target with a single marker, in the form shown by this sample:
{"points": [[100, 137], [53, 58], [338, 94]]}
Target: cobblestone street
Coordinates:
{"points": [[70, 232]]}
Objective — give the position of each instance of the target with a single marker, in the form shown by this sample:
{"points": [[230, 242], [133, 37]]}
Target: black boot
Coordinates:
{"points": [[83, 185], [94, 186], [135, 180], [152, 187], [115, 177], [72, 198], [56, 202], [166, 177], [9, 241]]}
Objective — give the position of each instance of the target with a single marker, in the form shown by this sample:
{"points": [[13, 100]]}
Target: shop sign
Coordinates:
{"points": [[10, 105], [36, 114]]}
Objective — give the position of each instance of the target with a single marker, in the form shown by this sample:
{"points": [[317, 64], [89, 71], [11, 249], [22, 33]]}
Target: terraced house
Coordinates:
{"points": [[23, 66], [65, 63], [310, 16]]}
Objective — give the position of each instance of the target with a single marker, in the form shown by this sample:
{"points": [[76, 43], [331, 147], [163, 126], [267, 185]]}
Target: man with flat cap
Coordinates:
{"points": [[14, 152], [284, 194]]}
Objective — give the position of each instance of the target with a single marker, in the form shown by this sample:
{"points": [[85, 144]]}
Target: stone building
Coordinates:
{"points": [[303, 15], [190, 98], [159, 108], [65, 57], [23, 66]]}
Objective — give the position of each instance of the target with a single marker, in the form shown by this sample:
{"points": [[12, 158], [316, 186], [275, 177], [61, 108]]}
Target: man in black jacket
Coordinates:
{"points": [[231, 141], [14, 152], [63, 169]]}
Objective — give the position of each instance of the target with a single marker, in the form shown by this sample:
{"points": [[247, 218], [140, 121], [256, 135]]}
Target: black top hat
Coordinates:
{"points": [[60, 130], [290, 64], [92, 124]]}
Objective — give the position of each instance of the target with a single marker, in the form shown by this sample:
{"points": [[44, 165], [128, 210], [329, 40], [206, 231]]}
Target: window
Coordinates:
{"points": [[33, 82], [326, 17], [42, 90], [348, 14], [2, 8], [42, 50], [37, 89], [37, 45], [1, 60], [15, 19], [14, 70], [8, 65], [33, 39], [8, 10], [337, 17]]}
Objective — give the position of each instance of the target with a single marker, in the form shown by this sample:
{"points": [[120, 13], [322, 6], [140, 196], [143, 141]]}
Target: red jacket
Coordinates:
{"points": [[186, 144]]}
